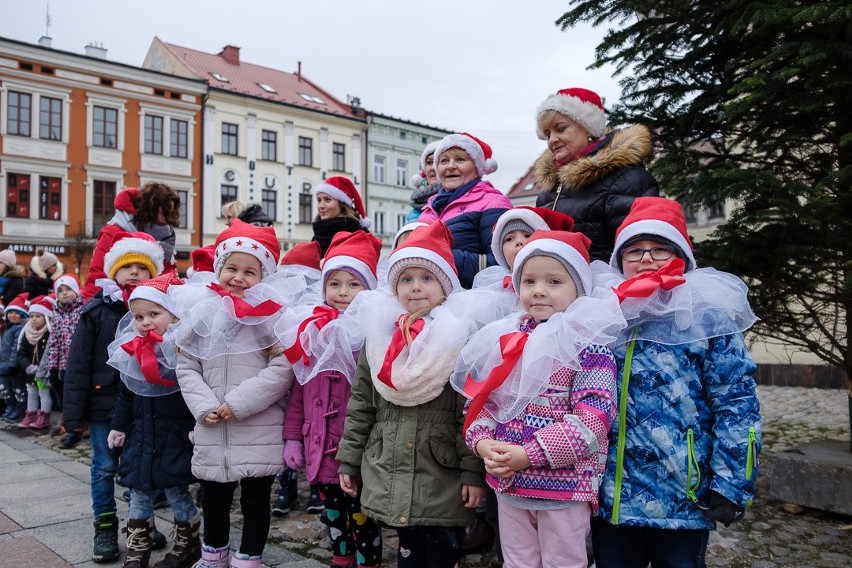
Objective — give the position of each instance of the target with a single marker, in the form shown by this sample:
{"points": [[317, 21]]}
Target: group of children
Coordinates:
{"points": [[571, 389]]}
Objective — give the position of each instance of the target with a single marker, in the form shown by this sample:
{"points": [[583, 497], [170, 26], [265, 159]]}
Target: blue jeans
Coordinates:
{"points": [[180, 500], [619, 546], [104, 466]]}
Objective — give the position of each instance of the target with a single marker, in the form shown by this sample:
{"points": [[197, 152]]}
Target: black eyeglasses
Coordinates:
{"points": [[635, 254]]}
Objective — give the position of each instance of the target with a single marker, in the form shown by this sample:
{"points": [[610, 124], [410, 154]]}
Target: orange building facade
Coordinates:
{"points": [[74, 130]]}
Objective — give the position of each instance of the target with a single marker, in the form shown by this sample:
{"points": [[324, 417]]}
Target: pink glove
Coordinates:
{"points": [[294, 454], [115, 439]]}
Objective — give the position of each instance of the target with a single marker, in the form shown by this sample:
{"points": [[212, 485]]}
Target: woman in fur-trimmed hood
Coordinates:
{"points": [[587, 173]]}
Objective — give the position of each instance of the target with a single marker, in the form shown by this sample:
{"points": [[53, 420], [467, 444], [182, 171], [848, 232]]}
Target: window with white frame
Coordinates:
{"points": [[268, 145], [19, 112], [183, 215], [104, 127], [306, 151], [179, 138], [379, 222], [379, 168], [229, 193], [153, 134], [306, 204], [401, 172], [400, 220], [18, 195], [229, 138], [50, 119], [338, 157], [102, 203], [269, 202]]}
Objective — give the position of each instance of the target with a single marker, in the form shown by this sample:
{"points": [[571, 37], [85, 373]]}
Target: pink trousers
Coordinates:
{"points": [[544, 539]]}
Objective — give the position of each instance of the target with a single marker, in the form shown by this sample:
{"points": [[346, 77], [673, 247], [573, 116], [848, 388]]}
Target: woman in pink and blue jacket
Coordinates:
{"points": [[469, 205]]}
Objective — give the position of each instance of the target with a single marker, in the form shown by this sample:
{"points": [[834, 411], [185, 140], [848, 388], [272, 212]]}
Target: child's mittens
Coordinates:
{"points": [[722, 510], [115, 439], [294, 454]]}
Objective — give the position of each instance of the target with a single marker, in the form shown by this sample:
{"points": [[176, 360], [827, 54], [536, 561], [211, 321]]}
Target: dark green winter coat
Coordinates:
{"points": [[412, 460]]}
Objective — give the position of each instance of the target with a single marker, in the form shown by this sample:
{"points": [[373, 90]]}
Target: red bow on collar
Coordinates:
{"points": [[142, 348], [507, 282], [396, 346], [646, 283], [322, 316], [243, 308], [511, 349], [126, 290]]}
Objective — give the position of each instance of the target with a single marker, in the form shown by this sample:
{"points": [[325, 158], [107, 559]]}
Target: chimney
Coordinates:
{"points": [[96, 50], [299, 71], [231, 54], [44, 41]]}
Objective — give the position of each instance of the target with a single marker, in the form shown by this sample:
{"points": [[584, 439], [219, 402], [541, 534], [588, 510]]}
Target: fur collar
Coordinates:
{"points": [[629, 146]]}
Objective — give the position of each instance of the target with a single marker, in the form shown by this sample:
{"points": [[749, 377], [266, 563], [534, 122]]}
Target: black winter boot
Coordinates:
{"points": [[187, 546], [138, 543], [288, 494], [105, 544]]}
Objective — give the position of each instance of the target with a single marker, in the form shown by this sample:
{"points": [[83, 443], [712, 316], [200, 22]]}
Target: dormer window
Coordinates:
{"points": [[267, 88], [219, 77], [312, 98]]}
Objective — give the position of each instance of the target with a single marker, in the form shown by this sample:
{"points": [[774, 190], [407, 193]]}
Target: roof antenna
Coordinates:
{"points": [[47, 21]]}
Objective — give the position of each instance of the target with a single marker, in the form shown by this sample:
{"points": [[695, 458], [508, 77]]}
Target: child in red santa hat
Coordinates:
{"points": [[542, 384], [414, 329], [69, 305], [233, 376], [323, 344], [32, 362], [151, 422], [683, 452]]}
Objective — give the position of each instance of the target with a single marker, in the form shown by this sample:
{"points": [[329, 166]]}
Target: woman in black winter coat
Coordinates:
{"points": [[339, 208], [589, 174]]}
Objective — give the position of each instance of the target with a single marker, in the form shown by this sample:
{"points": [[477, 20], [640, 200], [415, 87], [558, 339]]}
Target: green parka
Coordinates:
{"points": [[413, 460]]}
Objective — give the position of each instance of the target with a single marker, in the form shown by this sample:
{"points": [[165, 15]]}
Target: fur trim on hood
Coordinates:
{"points": [[626, 147], [36, 268], [18, 271]]}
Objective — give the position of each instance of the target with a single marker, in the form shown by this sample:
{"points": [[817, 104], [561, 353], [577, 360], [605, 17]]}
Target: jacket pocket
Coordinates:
{"points": [[693, 473], [444, 455]]}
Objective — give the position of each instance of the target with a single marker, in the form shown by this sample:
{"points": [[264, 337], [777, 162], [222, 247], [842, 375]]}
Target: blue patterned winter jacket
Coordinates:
{"points": [[688, 423]]}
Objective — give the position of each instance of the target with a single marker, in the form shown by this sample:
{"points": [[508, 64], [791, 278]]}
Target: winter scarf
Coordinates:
{"points": [[444, 198], [63, 324], [421, 195], [32, 335]]}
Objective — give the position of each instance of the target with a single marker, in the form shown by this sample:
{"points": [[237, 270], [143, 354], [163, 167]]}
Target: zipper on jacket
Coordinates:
{"points": [[622, 425], [691, 463], [225, 445], [752, 442]]}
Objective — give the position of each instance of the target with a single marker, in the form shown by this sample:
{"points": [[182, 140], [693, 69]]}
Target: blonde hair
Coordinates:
{"points": [[548, 117], [413, 317], [456, 152], [232, 209]]}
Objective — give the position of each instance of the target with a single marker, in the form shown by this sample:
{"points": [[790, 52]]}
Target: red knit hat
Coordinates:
{"points": [[260, 242], [356, 253], [478, 150], [44, 305], [571, 249], [157, 290], [202, 259], [18, 304], [655, 218], [427, 247], [527, 219], [580, 105], [342, 189], [69, 280], [127, 248], [303, 254], [124, 200]]}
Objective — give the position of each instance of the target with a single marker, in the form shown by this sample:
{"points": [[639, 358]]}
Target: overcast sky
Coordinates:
{"points": [[480, 66]]}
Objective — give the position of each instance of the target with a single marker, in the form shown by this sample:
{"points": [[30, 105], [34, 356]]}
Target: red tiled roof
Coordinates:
{"points": [[519, 189], [245, 78]]}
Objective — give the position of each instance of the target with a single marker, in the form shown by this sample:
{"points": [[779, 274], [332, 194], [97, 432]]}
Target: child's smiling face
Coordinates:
{"points": [[546, 287], [239, 272], [341, 287], [418, 288]]}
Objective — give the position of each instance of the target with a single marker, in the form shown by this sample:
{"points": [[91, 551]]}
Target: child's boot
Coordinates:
{"points": [[187, 545], [213, 557], [42, 420], [105, 543], [241, 560], [344, 561], [138, 544], [29, 418]]}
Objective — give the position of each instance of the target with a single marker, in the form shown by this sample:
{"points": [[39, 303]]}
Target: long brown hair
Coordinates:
{"points": [[153, 197], [345, 211]]}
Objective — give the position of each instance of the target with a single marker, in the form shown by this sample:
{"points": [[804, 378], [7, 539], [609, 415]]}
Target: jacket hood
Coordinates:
{"points": [[628, 146], [17, 271]]}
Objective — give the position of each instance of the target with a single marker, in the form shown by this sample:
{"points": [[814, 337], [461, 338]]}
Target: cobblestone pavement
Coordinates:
{"points": [[767, 537]]}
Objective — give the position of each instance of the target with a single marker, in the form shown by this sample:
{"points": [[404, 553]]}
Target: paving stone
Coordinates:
{"points": [[28, 551]]}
